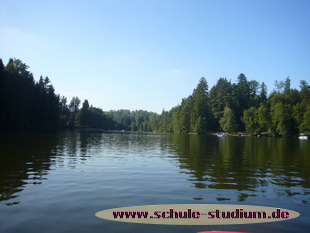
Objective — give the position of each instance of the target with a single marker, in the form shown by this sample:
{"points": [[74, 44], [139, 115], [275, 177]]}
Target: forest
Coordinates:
{"points": [[244, 106]]}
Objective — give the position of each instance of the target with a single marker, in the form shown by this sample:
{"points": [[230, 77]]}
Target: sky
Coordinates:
{"points": [[148, 55]]}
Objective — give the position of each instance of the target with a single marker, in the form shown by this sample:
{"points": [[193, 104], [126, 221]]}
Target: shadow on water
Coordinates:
{"points": [[74, 173], [27, 158], [247, 165]]}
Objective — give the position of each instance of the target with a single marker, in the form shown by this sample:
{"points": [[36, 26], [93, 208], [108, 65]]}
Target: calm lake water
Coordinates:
{"points": [[57, 182]]}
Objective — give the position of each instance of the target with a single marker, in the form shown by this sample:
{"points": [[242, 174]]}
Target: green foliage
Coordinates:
{"points": [[74, 104], [194, 114], [228, 122], [176, 124], [26, 104], [64, 112], [263, 118], [19, 69], [165, 121], [250, 119], [201, 125], [140, 120], [287, 84], [263, 93], [281, 119], [202, 111], [200, 108], [184, 115], [96, 118], [85, 115], [122, 119], [221, 95], [74, 109], [305, 123]]}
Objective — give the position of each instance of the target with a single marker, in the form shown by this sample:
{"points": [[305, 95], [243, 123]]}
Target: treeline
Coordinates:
{"points": [[244, 106], [140, 120], [241, 106], [26, 104]]}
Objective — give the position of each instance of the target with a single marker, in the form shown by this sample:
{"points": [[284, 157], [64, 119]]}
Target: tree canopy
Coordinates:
{"points": [[27, 104]]}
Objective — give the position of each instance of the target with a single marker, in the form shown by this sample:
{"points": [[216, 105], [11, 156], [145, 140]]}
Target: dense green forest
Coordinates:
{"points": [[27, 104]]}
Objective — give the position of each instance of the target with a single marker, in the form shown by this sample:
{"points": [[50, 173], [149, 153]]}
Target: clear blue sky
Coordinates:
{"points": [[140, 54]]}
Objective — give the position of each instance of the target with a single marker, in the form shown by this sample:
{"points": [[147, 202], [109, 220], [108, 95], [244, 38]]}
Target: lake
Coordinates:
{"points": [[57, 182]]}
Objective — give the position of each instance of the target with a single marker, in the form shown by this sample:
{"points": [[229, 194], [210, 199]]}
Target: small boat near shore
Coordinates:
{"points": [[303, 136], [221, 135]]}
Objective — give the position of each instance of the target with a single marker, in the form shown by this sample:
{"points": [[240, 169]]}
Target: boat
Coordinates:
{"points": [[221, 135], [221, 232], [303, 136]]}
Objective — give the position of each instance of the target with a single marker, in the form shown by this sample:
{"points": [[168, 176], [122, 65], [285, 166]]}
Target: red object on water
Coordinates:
{"points": [[222, 232]]}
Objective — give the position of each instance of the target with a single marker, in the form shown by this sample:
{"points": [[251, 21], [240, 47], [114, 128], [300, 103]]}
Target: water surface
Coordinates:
{"points": [[57, 182]]}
